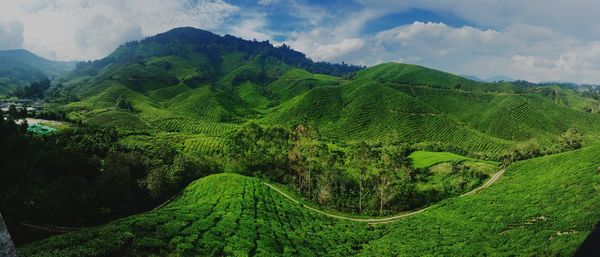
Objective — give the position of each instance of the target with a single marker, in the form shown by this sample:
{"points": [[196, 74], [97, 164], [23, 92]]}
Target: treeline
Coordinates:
{"points": [[85, 177], [35, 90], [569, 140], [361, 178]]}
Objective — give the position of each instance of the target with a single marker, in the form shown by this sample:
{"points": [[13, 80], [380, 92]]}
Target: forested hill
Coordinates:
{"points": [[189, 42], [47, 67], [21, 67]]}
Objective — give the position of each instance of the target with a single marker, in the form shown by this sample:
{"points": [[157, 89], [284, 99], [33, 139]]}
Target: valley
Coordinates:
{"points": [[189, 143]]}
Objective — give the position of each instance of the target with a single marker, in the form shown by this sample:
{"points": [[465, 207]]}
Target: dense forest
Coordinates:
{"points": [[83, 177]]}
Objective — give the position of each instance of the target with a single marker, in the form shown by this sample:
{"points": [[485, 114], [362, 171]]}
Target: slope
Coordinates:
{"points": [[21, 67], [189, 80], [519, 117], [544, 206], [419, 105], [364, 109], [224, 214]]}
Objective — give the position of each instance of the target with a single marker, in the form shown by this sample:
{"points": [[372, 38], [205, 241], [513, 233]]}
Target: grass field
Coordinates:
{"points": [[544, 206], [425, 159]]}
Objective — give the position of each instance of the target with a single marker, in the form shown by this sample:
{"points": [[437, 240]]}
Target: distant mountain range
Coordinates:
{"points": [[21, 67], [492, 79]]}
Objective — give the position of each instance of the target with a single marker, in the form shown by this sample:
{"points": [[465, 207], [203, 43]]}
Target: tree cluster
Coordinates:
{"points": [[85, 177], [361, 178], [34, 90]]}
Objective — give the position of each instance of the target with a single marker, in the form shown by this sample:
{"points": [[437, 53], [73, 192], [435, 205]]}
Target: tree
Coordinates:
{"points": [[361, 159], [22, 113], [385, 185], [35, 90], [124, 104], [159, 181], [304, 157], [252, 149], [571, 139], [393, 163], [332, 179], [13, 113]]}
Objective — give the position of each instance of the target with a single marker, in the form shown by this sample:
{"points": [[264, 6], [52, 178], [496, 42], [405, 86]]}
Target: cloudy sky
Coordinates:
{"points": [[536, 40]]}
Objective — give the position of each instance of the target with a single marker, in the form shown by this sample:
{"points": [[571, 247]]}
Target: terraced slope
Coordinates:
{"points": [[408, 74], [364, 109], [195, 82], [544, 206], [224, 214], [540, 207], [518, 117]]}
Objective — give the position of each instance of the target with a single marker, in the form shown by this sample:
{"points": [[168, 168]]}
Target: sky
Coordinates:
{"points": [[535, 40]]}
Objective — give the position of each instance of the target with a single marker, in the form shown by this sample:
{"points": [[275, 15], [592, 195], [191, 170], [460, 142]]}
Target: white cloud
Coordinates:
{"points": [[11, 35], [251, 27], [84, 29], [98, 35], [326, 51], [536, 40], [519, 51]]}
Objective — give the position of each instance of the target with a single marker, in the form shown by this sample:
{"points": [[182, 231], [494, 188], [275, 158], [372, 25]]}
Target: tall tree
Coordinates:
{"points": [[304, 157], [361, 159]]}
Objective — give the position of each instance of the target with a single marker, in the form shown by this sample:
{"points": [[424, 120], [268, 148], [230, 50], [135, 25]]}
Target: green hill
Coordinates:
{"points": [[21, 67], [544, 206], [188, 80]]}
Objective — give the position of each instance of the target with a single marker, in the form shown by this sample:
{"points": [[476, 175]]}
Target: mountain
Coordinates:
{"points": [[192, 93], [21, 67], [473, 77], [492, 79], [47, 67], [500, 78], [208, 49], [192, 81]]}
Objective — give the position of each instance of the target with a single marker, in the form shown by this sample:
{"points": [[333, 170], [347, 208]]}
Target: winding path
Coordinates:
{"points": [[488, 183]]}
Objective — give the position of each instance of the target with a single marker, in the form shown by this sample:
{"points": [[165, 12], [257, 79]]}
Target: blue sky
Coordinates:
{"points": [[537, 40]]}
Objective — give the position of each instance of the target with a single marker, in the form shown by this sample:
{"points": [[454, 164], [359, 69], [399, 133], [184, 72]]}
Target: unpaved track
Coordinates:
{"points": [[488, 183]]}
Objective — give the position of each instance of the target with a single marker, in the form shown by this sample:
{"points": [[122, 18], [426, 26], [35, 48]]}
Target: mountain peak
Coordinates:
{"points": [[188, 42]]}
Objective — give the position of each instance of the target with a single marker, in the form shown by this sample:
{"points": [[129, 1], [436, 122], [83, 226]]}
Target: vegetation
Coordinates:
{"points": [[364, 178], [526, 213], [159, 113], [34, 90], [84, 177], [18, 68], [424, 159]]}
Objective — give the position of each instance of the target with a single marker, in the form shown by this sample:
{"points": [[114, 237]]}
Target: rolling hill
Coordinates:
{"points": [[191, 90], [20, 67], [192, 81], [543, 206]]}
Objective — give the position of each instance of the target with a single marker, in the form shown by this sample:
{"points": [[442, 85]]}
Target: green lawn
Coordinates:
{"points": [[425, 159]]}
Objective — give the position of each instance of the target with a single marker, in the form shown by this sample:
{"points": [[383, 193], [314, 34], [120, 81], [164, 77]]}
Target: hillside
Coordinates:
{"points": [[559, 191], [192, 81], [20, 67]]}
